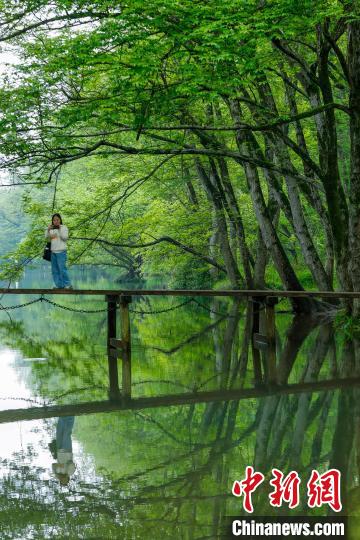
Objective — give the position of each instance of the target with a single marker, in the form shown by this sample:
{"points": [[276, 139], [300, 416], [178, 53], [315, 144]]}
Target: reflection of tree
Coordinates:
{"points": [[302, 432], [300, 328], [189, 340], [343, 437], [171, 469], [316, 359], [63, 369], [276, 410]]}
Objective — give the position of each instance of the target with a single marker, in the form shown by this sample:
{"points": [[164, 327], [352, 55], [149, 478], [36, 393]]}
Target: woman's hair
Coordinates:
{"points": [[56, 215]]}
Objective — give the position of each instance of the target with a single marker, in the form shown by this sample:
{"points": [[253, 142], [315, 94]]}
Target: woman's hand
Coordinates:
{"points": [[50, 226], [52, 237]]}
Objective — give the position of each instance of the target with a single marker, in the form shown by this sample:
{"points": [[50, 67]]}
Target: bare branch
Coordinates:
{"points": [[168, 239]]}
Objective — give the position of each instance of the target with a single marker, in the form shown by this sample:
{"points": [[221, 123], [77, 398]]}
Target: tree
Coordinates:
{"points": [[247, 97]]}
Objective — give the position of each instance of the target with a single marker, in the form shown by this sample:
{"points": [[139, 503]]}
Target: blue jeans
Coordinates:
{"points": [[59, 270], [63, 433]]}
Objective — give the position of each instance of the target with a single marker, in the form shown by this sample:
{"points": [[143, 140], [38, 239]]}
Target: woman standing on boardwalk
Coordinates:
{"points": [[58, 234]]}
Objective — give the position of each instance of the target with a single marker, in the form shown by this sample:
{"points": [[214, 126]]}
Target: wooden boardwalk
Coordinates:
{"points": [[239, 293]]}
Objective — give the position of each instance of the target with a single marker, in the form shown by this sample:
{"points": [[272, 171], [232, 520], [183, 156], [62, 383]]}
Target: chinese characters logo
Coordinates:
{"points": [[321, 489]]}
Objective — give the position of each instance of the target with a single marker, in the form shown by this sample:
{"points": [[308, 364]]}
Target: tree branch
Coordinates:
{"points": [[168, 239], [131, 150], [64, 17]]}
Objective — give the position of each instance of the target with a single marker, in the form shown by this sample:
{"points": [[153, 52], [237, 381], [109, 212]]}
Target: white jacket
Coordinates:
{"points": [[65, 463], [59, 243]]}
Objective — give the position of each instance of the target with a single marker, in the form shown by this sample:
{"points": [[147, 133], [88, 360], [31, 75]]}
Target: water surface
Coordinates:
{"points": [[165, 472]]}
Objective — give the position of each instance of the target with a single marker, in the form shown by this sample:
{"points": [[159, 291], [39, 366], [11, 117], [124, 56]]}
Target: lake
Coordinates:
{"points": [[166, 472]]}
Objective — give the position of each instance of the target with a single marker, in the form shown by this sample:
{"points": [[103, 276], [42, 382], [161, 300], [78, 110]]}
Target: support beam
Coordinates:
{"points": [[270, 304], [256, 356], [111, 334], [126, 346]]}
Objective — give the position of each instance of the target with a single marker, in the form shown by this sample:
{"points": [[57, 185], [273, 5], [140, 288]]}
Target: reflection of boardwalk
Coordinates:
{"points": [[271, 368], [34, 413]]}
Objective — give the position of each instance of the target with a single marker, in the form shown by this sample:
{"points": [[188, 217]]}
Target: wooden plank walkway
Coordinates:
{"points": [[188, 292]]}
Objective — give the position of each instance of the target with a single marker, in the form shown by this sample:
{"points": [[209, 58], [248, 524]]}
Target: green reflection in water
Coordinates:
{"points": [[168, 472]]}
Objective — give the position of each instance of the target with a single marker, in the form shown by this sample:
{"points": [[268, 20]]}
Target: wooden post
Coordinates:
{"points": [[126, 346], [111, 333], [255, 306], [271, 302]]}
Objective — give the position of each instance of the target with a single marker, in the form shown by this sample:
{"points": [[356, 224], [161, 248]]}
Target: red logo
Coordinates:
{"points": [[321, 489], [325, 489], [286, 489], [247, 486]]}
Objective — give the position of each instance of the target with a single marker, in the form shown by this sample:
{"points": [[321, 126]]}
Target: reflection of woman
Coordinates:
{"points": [[62, 450], [58, 234]]}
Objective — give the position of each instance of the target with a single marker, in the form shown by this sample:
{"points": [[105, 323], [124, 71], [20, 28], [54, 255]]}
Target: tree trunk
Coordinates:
{"points": [[235, 215], [307, 246], [312, 193], [270, 237], [214, 197], [354, 203], [328, 158], [214, 245], [225, 189]]}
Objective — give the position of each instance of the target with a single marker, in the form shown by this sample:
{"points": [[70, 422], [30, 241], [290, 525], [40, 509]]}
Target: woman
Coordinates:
{"points": [[62, 450], [58, 234]]}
